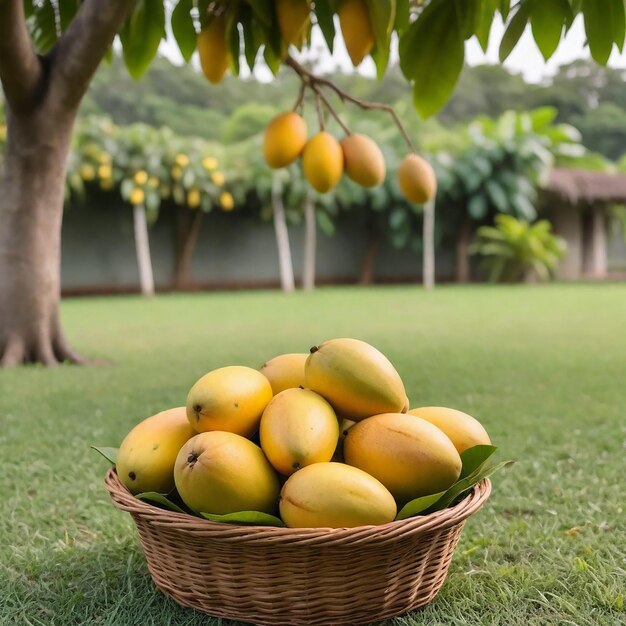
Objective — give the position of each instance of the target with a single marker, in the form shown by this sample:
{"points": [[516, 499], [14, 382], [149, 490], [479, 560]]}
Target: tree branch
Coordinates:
{"points": [[315, 81], [82, 47], [20, 67]]}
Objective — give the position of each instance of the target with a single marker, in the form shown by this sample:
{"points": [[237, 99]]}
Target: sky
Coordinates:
{"points": [[525, 58]]}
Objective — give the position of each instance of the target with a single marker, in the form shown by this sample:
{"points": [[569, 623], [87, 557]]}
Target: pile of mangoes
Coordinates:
{"points": [[324, 439]]}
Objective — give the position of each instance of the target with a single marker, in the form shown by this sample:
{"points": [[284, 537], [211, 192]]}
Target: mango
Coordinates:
{"points": [[334, 495], [293, 20], [284, 139], [344, 426], [322, 162], [356, 378], [298, 428], [417, 179], [356, 29], [219, 472], [229, 398], [213, 49], [145, 461], [462, 429], [364, 162], [285, 371], [408, 455]]}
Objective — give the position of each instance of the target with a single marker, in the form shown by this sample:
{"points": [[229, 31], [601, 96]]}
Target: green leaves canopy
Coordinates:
{"points": [[432, 32]]}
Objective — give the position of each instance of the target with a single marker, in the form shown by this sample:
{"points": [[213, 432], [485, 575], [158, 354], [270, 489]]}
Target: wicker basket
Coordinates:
{"points": [[283, 576]]}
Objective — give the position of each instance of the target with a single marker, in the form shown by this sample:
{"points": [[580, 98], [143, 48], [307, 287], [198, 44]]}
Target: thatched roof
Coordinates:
{"points": [[587, 187]]}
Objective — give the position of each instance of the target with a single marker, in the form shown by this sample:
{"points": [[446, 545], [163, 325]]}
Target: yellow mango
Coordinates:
{"points": [[213, 49], [322, 162], [284, 139], [356, 29], [293, 20], [229, 398], [408, 455], [364, 162], [356, 378], [145, 460], [334, 495], [298, 428], [417, 179], [344, 426], [462, 429], [219, 472], [285, 371]]}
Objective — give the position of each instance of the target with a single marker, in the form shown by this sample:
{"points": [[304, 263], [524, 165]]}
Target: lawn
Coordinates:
{"points": [[544, 369]]}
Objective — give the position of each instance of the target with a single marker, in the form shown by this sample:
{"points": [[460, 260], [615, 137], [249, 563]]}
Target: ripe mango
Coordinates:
{"points": [[463, 430], [417, 179], [334, 495], [357, 379], [322, 161], [284, 139], [219, 472], [213, 49], [145, 461], [364, 162], [293, 20], [298, 428], [408, 455], [229, 398], [285, 371], [356, 28], [344, 426]]}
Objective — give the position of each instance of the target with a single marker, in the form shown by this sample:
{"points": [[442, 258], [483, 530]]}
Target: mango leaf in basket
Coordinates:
{"points": [[110, 454], [158, 498], [415, 507], [474, 458], [252, 518]]}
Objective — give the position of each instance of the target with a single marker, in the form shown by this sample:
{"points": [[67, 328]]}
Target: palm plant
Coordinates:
{"points": [[514, 249]]}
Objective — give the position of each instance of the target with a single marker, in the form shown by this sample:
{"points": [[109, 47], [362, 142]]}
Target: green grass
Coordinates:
{"points": [[543, 368]]}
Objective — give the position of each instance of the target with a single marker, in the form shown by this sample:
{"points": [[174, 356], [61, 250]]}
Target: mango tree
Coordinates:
{"points": [[50, 49]]}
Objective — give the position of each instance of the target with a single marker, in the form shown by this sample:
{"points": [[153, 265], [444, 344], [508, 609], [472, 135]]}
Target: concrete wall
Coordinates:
{"points": [[98, 252]]}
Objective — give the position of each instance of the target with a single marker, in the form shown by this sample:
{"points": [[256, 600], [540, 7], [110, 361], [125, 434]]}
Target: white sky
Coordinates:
{"points": [[525, 59]]}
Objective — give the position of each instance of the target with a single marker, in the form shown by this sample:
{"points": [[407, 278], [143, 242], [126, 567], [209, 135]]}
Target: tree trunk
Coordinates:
{"points": [[310, 243], [462, 252], [428, 263], [373, 246], [282, 238], [187, 236], [31, 210], [142, 247]]}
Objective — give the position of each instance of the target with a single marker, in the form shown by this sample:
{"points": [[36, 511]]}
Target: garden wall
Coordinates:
{"points": [[232, 251]]}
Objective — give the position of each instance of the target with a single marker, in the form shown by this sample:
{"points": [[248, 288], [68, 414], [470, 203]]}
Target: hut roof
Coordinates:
{"points": [[588, 187]]}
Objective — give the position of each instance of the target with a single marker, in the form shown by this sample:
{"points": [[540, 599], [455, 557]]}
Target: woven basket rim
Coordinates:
{"points": [[185, 523]]}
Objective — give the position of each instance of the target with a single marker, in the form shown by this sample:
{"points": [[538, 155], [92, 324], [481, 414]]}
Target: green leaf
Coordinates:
{"points": [[382, 16], [252, 39], [234, 43], [252, 518], [183, 28], [110, 454], [474, 458], [497, 195], [435, 35], [326, 22], [42, 27], [515, 29], [547, 21], [599, 18], [401, 23], [465, 484], [141, 36], [618, 24], [325, 223], [504, 7], [263, 10], [469, 12], [272, 59], [477, 207], [67, 12], [160, 499], [417, 506], [483, 30]]}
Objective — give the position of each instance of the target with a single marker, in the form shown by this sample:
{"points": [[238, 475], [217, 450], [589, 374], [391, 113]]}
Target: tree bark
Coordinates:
{"points": [[462, 252], [142, 247], [310, 243], [188, 230], [428, 240], [366, 276], [42, 98], [282, 239]]}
